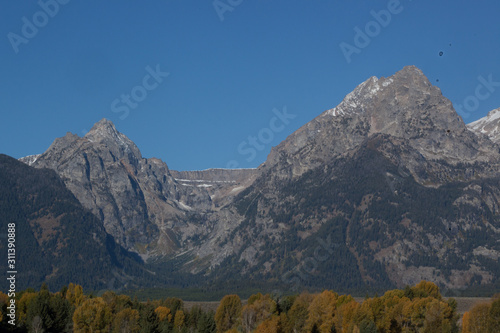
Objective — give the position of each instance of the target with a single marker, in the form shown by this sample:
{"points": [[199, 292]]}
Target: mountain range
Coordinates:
{"points": [[386, 189]]}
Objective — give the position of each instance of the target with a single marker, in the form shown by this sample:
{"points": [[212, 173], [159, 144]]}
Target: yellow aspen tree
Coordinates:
{"points": [[127, 320], [344, 318], [436, 313], [179, 319], [476, 320], [75, 295], [321, 312], [259, 308], [270, 325], [466, 323], [426, 289], [92, 316], [494, 316], [397, 313], [228, 313], [163, 314]]}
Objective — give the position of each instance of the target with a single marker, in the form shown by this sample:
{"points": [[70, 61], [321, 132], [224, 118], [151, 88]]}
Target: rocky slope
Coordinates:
{"points": [[405, 105], [364, 172], [221, 184], [387, 188], [139, 201], [57, 240]]}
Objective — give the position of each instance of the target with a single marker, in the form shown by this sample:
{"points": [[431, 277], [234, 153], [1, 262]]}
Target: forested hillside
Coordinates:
{"points": [[57, 240]]}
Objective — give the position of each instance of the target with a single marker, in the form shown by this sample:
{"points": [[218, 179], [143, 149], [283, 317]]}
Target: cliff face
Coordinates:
{"points": [[391, 180], [221, 184], [405, 105], [396, 180], [215, 175], [138, 200], [58, 240]]}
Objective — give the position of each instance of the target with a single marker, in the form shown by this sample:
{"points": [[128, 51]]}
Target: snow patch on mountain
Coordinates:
{"points": [[352, 102], [488, 125], [30, 159]]}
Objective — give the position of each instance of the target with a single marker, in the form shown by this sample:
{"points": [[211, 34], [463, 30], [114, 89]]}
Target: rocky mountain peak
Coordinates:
{"points": [[367, 172], [404, 106], [105, 132], [354, 101], [412, 72], [103, 125], [408, 81]]}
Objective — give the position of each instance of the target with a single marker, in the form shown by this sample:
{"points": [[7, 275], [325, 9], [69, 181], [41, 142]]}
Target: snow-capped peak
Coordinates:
{"points": [[488, 125]]}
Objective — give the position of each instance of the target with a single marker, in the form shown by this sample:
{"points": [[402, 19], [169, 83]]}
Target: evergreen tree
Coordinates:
{"points": [[206, 323], [494, 316], [149, 320], [367, 326]]}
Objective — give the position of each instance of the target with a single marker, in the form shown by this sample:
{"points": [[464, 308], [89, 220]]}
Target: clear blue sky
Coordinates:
{"points": [[227, 70]]}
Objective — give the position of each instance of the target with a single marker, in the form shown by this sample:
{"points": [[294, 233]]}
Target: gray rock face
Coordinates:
{"points": [[139, 201], [364, 173], [386, 144], [221, 184], [215, 175], [405, 106]]}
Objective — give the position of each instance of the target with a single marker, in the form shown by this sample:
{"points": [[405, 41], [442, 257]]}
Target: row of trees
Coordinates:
{"points": [[415, 309], [483, 317], [70, 310]]}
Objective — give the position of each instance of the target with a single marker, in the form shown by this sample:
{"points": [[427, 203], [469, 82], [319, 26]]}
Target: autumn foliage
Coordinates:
{"points": [[483, 318], [414, 309]]}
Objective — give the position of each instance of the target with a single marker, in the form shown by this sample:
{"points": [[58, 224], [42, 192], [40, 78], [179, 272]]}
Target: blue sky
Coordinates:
{"points": [[242, 74]]}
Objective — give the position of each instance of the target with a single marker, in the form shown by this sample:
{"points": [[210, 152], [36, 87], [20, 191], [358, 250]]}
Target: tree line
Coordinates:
{"points": [[420, 308]]}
